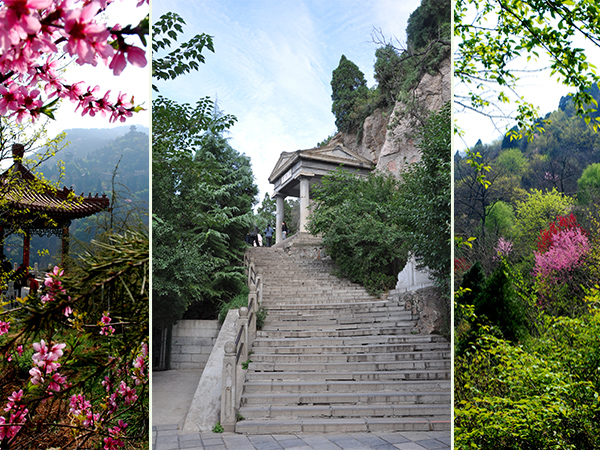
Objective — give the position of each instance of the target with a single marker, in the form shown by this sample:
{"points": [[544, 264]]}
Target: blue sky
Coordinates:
{"points": [[273, 62]]}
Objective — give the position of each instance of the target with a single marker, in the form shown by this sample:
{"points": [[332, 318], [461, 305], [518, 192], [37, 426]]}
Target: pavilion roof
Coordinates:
{"points": [[25, 195]]}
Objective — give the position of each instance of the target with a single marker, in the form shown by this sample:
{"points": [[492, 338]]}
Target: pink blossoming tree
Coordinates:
{"points": [[36, 34]]}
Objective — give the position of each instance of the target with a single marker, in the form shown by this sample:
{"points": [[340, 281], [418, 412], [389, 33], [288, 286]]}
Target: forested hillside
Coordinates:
{"points": [[90, 163], [527, 219]]}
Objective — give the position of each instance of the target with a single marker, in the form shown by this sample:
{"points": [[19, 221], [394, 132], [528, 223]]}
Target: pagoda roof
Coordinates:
{"points": [[25, 194]]}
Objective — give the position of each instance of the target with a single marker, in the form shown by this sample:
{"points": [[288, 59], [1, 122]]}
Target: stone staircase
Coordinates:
{"points": [[332, 358]]}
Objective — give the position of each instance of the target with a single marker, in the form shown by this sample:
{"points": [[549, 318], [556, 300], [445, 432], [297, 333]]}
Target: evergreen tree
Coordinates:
{"points": [[348, 85]]}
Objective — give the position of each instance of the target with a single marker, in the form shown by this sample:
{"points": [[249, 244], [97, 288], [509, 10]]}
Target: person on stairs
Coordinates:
{"points": [[269, 234], [254, 236], [284, 229]]}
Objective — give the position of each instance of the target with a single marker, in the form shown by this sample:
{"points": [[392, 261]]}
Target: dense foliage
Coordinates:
{"points": [[202, 200], [203, 193], [359, 219], [426, 197], [348, 86], [526, 310], [369, 225]]}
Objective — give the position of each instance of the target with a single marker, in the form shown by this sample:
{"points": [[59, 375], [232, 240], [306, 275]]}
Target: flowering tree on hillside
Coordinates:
{"points": [[562, 249]]}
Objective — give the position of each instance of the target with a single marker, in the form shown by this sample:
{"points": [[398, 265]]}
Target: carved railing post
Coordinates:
{"points": [[252, 308], [243, 324], [228, 387]]}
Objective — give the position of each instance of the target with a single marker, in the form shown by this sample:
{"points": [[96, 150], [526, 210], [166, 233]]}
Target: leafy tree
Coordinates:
{"points": [[500, 304], [203, 193], [428, 23], [348, 86], [388, 73], [359, 219], [425, 197], [501, 219], [589, 184], [491, 34], [535, 213]]}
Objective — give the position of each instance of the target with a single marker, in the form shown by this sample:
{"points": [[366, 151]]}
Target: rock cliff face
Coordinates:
{"points": [[388, 139]]}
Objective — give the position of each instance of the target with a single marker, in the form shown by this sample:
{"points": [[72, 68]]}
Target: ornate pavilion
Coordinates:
{"points": [[31, 206]]}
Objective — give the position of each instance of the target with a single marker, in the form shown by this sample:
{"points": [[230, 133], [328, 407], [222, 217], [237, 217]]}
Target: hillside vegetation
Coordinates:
{"points": [[527, 267]]}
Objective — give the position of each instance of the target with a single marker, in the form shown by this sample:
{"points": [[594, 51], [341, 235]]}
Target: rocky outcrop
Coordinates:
{"points": [[388, 139]]}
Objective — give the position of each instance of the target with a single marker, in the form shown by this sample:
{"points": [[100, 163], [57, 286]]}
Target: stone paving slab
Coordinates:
{"points": [[168, 438]]}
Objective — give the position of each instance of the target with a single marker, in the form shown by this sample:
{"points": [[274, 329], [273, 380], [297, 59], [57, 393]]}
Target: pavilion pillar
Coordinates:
{"points": [[304, 203], [279, 198], [65, 244], [26, 249]]}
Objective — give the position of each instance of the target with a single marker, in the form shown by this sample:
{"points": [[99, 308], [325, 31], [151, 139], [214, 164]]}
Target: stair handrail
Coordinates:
{"points": [[237, 353]]}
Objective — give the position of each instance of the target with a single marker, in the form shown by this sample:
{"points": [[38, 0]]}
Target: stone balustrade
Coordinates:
{"points": [[237, 352]]}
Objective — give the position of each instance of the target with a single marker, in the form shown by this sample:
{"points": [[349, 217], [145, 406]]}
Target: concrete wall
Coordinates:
{"points": [[192, 342]]}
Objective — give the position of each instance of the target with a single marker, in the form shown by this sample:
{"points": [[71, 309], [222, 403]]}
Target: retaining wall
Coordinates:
{"points": [[192, 342]]}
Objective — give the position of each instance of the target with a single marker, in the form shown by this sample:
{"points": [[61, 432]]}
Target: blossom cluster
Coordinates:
{"points": [[502, 249], [106, 329], [31, 32], [562, 223], [566, 251], [4, 327], [18, 413], [46, 364], [54, 285]]}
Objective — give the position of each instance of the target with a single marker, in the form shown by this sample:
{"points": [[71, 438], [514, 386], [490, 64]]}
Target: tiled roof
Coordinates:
{"points": [[26, 194]]}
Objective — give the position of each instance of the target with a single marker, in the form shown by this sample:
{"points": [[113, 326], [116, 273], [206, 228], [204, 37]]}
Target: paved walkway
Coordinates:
{"points": [[172, 393], [167, 438]]}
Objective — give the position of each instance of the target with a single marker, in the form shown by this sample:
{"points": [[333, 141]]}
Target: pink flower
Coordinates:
{"points": [[118, 63], [129, 394], [567, 249], [86, 38], [104, 323], [57, 381], [13, 400], [4, 327]]}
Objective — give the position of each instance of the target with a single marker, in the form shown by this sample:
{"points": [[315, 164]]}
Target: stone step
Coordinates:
{"points": [[339, 307], [359, 366], [351, 349], [442, 373], [351, 357], [336, 333], [341, 398], [342, 411], [350, 341], [349, 425], [333, 358], [253, 387], [308, 327]]}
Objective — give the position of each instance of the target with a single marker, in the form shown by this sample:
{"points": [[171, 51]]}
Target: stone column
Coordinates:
{"points": [[279, 217], [304, 203]]}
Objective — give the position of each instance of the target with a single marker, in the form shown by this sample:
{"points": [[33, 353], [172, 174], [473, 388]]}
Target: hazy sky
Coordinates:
{"points": [[273, 62], [133, 80]]}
